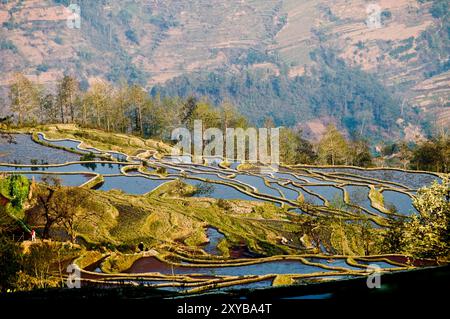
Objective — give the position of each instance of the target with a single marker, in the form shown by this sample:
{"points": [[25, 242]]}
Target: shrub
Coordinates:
{"points": [[16, 188], [428, 234], [10, 264]]}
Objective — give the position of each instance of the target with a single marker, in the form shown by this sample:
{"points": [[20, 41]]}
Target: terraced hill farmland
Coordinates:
{"points": [[214, 226]]}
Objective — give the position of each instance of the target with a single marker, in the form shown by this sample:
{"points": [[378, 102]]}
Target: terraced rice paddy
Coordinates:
{"points": [[266, 268], [135, 185], [214, 237], [23, 150], [401, 202], [300, 189], [411, 180], [103, 168], [65, 179]]}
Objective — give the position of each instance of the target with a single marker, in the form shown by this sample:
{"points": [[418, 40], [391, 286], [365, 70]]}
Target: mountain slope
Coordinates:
{"points": [[152, 42]]}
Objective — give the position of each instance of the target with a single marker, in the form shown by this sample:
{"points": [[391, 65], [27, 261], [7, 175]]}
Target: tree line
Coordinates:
{"points": [[124, 108], [130, 109]]}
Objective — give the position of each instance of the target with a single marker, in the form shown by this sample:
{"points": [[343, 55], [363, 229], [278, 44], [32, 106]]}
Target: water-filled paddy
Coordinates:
{"points": [[234, 165], [96, 167], [70, 144], [289, 178], [410, 179], [206, 169], [311, 199], [214, 237], [135, 185], [177, 159], [287, 192], [331, 193], [60, 143], [213, 161], [171, 170], [211, 177], [24, 151], [359, 195], [381, 264], [311, 297], [220, 191], [339, 262], [28, 151], [402, 202], [66, 180], [151, 264], [258, 183], [253, 285]]}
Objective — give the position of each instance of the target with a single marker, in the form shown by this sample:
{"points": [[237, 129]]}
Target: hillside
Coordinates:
{"points": [[152, 42]]}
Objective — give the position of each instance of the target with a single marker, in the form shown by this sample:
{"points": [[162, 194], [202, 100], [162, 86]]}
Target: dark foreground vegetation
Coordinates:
{"points": [[396, 288]]}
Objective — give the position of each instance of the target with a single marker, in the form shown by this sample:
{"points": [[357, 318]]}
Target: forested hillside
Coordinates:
{"points": [[332, 91], [302, 63]]}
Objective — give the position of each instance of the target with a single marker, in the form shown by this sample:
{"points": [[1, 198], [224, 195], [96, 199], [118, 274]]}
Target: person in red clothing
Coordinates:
{"points": [[33, 235]]}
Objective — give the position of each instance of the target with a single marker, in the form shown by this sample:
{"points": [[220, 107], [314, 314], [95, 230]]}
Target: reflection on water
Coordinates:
{"points": [[359, 195], [253, 285], [118, 156], [213, 161], [214, 237], [401, 202], [338, 262], [381, 264], [151, 264], [288, 193], [311, 199], [234, 165], [211, 177], [28, 152], [311, 297], [24, 151], [258, 183], [331, 193]]}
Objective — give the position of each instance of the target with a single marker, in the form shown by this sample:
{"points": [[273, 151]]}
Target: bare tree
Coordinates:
{"points": [[64, 206]]}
